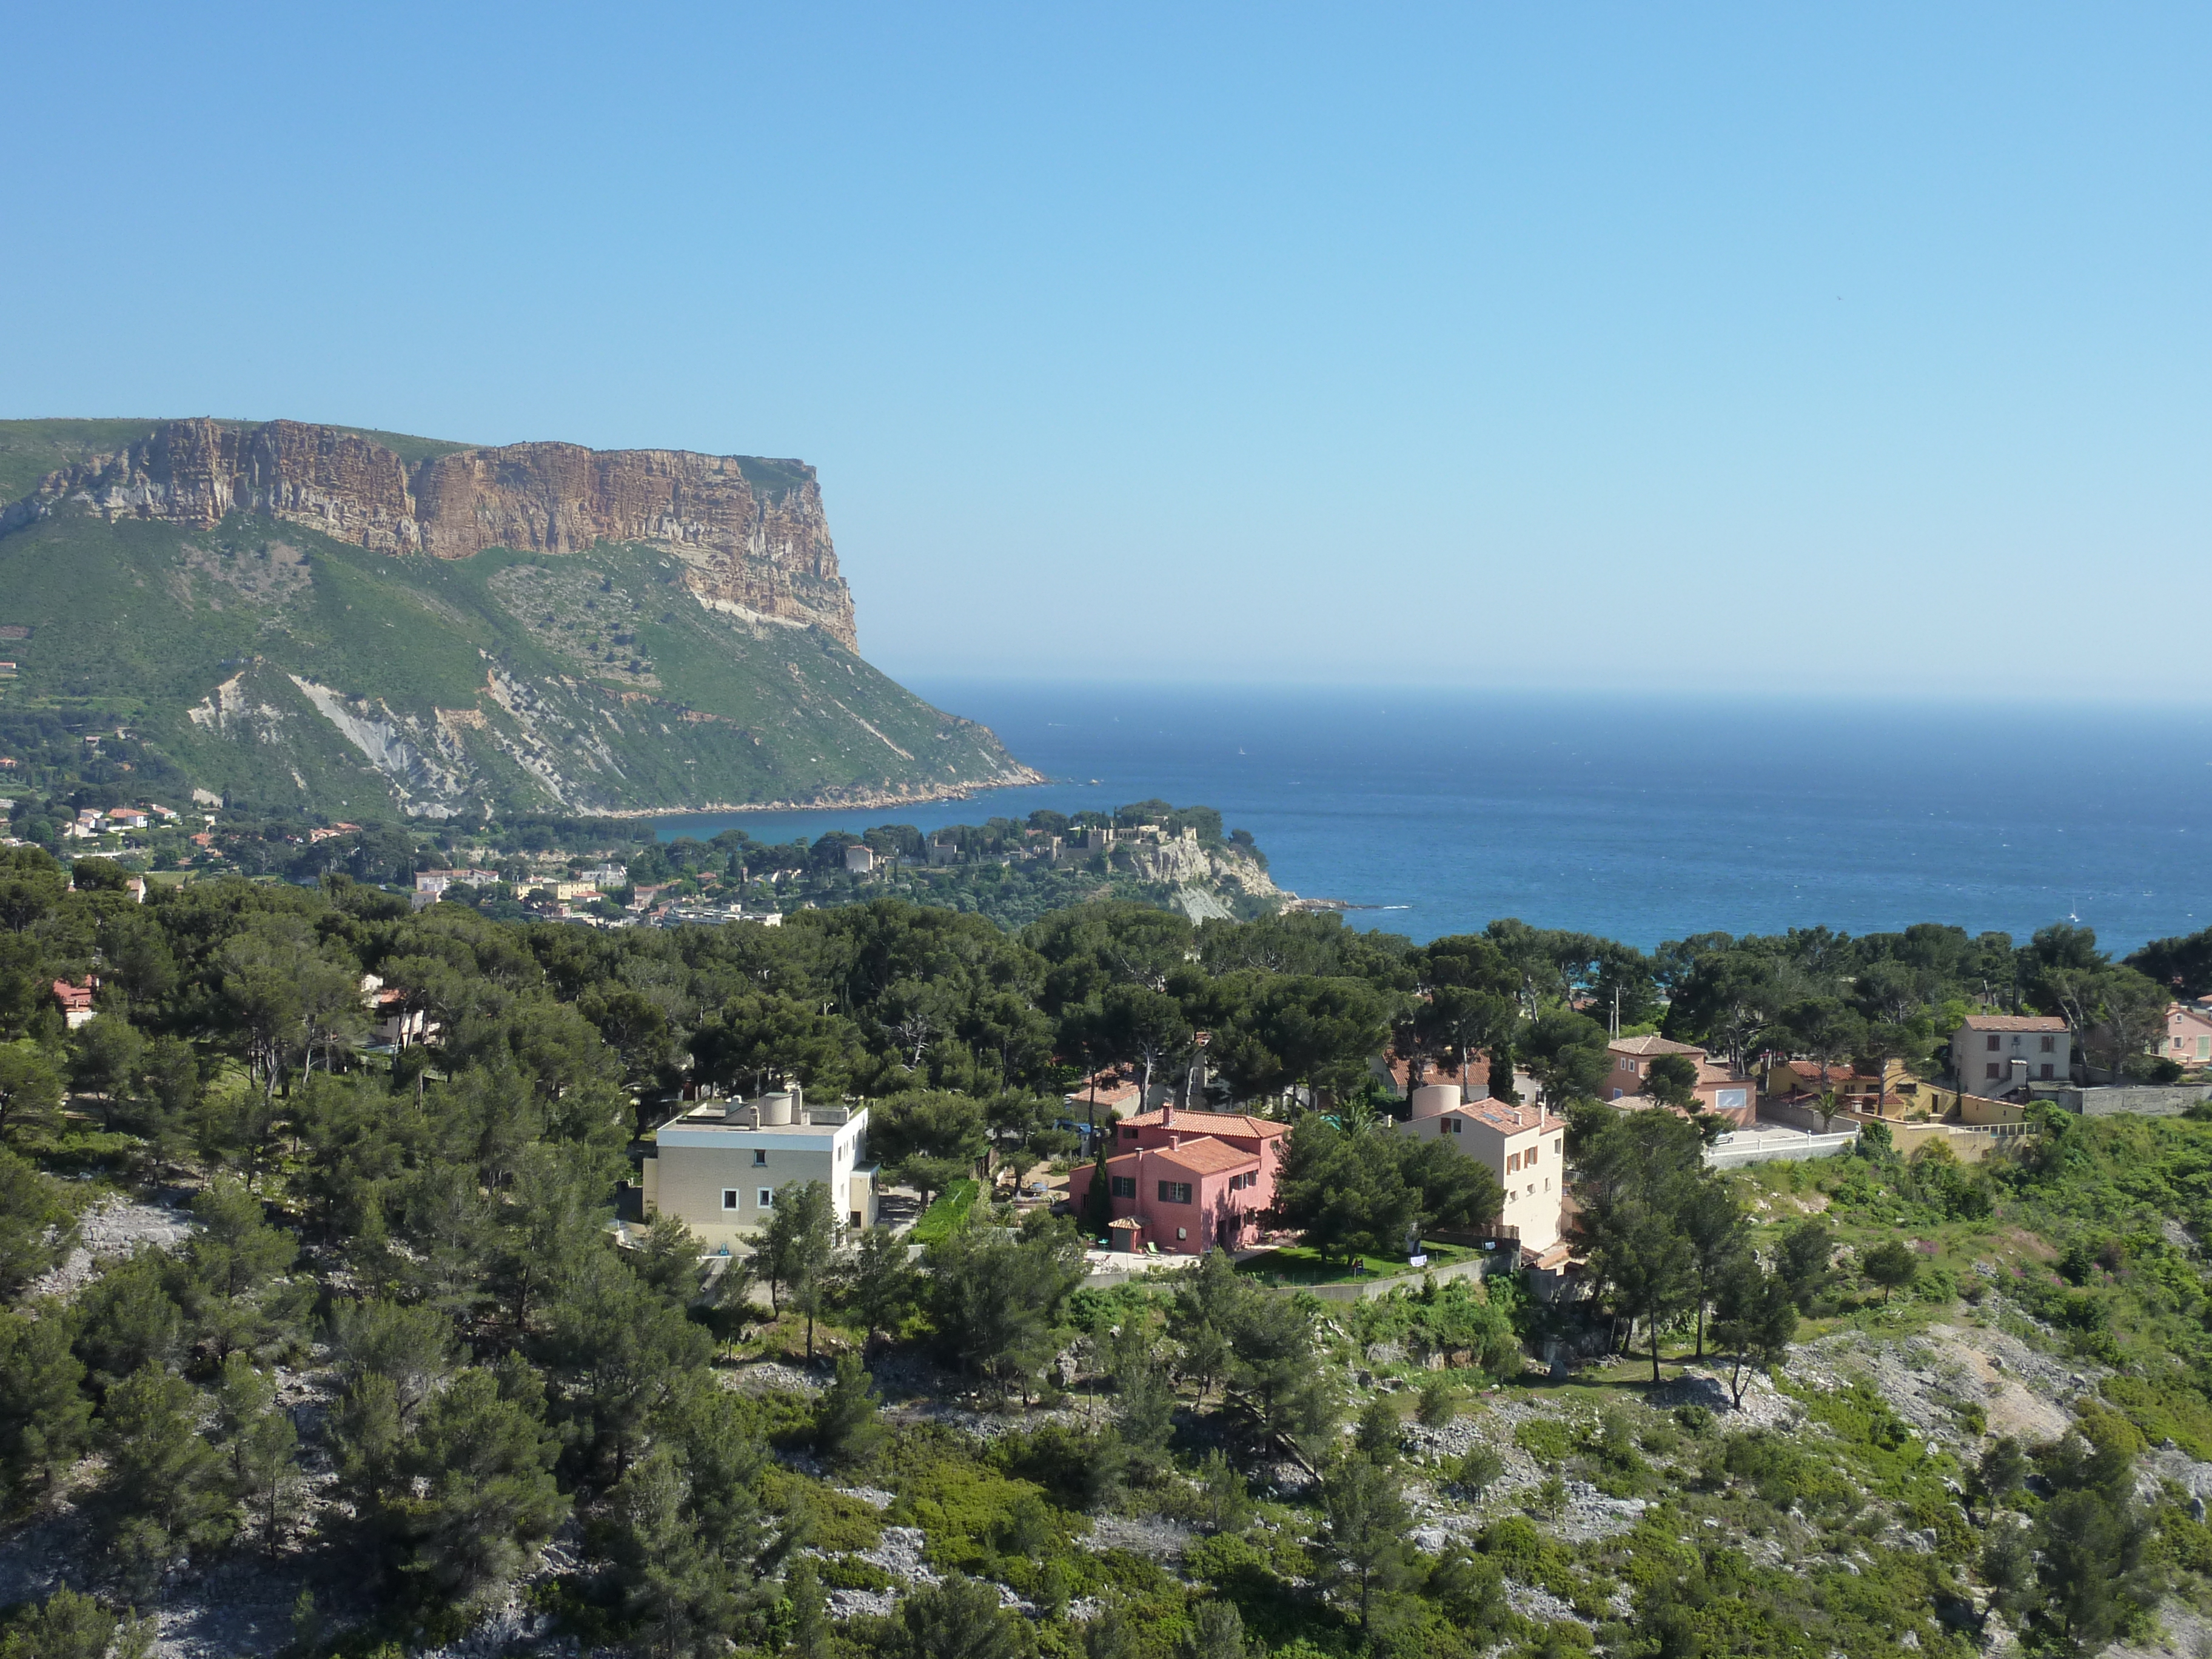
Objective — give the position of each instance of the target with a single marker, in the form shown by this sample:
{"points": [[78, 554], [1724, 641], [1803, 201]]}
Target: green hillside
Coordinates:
{"points": [[278, 667]]}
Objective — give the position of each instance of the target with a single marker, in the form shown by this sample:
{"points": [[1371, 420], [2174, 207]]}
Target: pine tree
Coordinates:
{"points": [[847, 1429], [44, 1416]]}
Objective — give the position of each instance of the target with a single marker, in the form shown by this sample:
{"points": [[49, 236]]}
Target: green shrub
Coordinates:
{"points": [[851, 1572], [1544, 1439], [1478, 1470]]}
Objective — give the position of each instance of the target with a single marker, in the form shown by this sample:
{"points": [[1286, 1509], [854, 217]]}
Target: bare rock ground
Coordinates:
{"points": [[1926, 1378], [113, 1227]]}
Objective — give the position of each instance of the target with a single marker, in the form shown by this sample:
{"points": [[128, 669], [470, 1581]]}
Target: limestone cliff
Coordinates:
{"points": [[752, 534]]}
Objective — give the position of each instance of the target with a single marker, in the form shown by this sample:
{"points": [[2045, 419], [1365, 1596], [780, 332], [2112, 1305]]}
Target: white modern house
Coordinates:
{"points": [[719, 1165], [1524, 1146]]}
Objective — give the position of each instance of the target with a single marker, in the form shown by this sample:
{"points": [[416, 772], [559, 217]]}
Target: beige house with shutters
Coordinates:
{"points": [[718, 1166], [1524, 1146], [1994, 1054]]}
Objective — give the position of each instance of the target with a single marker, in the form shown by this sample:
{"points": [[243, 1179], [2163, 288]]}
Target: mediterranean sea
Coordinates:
{"points": [[1641, 819]]}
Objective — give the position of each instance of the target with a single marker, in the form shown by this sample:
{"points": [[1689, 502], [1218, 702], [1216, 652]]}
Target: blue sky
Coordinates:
{"points": [[1800, 348]]}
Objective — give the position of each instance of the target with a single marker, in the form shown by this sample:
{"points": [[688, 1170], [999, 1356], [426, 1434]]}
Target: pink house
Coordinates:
{"points": [[1187, 1180], [2189, 1034], [1720, 1088]]}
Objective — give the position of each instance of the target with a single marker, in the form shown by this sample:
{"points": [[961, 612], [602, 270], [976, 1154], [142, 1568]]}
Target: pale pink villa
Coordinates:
{"points": [[1182, 1182]]}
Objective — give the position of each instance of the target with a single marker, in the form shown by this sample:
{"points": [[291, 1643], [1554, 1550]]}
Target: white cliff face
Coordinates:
{"points": [[1186, 864], [424, 763]]}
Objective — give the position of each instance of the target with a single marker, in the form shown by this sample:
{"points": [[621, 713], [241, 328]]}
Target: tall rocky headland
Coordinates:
{"points": [[752, 534], [343, 622]]}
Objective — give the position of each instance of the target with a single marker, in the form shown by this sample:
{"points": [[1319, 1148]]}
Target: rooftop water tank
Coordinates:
{"points": [[1434, 1099]]}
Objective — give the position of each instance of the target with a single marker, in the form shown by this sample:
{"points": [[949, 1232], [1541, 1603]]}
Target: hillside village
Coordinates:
{"points": [[387, 1277]]}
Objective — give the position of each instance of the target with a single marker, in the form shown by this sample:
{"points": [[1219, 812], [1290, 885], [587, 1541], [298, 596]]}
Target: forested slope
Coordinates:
{"points": [[311, 1350]]}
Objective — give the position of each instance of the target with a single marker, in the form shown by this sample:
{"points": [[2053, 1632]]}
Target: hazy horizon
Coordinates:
{"points": [[1859, 353]]}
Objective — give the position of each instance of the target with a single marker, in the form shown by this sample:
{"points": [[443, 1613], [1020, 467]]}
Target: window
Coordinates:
{"points": [[1128, 1134], [1121, 1186], [1512, 1162], [2048, 1068], [1991, 1070], [1175, 1192], [1453, 1125], [1994, 1045], [1529, 1159], [760, 1158], [2205, 1048], [2049, 1045], [767, 1197], [729, 1198]]}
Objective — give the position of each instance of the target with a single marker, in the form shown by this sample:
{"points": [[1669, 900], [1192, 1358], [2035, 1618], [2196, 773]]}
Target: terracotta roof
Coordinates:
{"points": [[1212, 1123], [1437, 1071], [1652, 1045], [2014, 1022], [1205, 1155], [1510, 1120]]}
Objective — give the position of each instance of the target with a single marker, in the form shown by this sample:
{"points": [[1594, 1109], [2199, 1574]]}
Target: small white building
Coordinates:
{"points": [[1524, 1146], [436, 882], [861, 859], [719, 1165], [1993, 1054]]}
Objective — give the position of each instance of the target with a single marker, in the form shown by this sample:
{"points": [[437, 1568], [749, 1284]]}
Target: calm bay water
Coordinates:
{"points": [[1641, 821]]}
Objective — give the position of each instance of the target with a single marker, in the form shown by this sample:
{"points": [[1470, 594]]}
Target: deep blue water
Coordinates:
{"points": [[1641, 821]]}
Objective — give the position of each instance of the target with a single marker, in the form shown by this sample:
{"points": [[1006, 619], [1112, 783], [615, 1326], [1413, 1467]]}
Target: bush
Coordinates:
{"points": [[1544, 1439], [851, 1572], [1478, 1470], [1439, 1401]]}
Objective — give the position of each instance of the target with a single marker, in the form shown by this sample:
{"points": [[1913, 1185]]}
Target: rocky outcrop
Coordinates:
{"points": [[752, 534]]}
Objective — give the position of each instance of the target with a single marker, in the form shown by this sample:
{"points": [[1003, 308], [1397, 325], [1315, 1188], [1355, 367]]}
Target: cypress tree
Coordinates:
{"points": [[1098, 1203]]}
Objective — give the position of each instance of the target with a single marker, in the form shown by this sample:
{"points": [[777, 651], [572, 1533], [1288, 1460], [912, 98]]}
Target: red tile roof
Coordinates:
{"points": [[1212, 1123], [2014, 1022], [1652, 1045], [1206, 1156], [1512, 1119]]}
